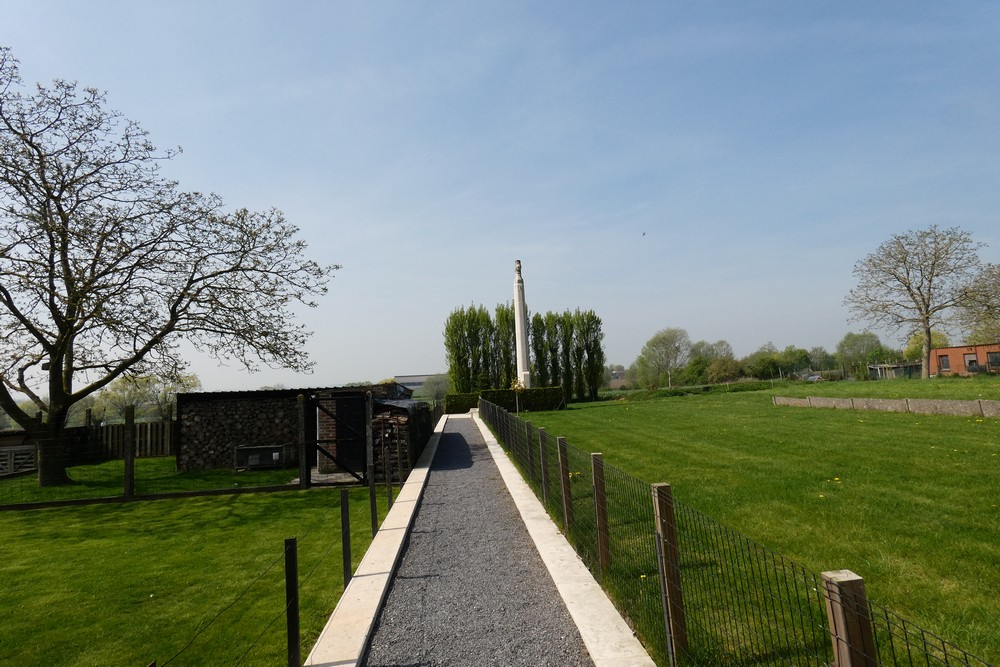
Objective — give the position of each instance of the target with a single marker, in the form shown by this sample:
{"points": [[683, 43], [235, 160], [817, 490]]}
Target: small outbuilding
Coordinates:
{"points": [[965, 360], [265, 428]]}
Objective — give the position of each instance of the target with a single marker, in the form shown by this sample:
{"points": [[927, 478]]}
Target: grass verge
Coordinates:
{"points": [[152, 475], [910, 502], [132, 583]]}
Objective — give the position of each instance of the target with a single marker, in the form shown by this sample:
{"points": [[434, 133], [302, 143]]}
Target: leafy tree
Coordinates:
{"points": [[435, 388], [579, 353], [855, 350], [154, 399], [632, 375], [884, 355], [764, 363], [566, 354], [504, 348], [695, 372], [481, 335], [567, 347], [724, 369], [458, 350], [540, 350], [590, 337], [470, 341], [552, 339], [984, 332], [820, 359], [792, 360], [915, 280], [662, 356], [105, 265], [915, 345], [281, 385], [701, 356]]}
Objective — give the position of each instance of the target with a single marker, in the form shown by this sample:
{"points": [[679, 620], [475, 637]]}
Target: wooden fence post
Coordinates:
{"points": [[543, 461], [670, 570], [850, 620], [129, 452], [601, 511], [564, 484]]}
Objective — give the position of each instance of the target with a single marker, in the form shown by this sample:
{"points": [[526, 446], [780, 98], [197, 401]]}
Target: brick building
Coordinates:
{"points": [[965, 359]]}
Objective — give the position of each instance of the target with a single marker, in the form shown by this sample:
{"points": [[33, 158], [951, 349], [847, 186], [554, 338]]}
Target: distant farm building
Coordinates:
{"points": [[894, 371], [965, 360], [414, 382]]}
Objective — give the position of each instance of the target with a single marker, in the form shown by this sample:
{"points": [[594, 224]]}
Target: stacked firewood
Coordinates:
{"points": [[391, 445], [210, 432]]}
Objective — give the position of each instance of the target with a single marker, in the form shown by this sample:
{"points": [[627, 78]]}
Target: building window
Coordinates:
{"points": [[971, 363], [993, 360], [943, 364]]}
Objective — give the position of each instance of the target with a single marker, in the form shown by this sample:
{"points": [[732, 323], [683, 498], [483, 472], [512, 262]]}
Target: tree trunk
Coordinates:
{"points": [[52, 454], [925, 366]]}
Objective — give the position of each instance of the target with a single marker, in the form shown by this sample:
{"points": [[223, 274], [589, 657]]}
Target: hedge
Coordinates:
{"points": [[530, 400]]}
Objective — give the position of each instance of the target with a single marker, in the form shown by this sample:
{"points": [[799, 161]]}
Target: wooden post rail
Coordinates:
{"points": [[670, 570]]}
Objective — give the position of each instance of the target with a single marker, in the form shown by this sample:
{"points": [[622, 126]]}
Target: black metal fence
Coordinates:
{"points": [[696, 592], [127, 461]]}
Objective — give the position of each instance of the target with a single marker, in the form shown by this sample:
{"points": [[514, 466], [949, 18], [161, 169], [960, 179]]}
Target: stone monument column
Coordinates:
{"points": [[521, 328]]}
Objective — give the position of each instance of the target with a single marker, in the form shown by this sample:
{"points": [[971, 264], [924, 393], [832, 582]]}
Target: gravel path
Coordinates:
{"points": [[471, 588]]}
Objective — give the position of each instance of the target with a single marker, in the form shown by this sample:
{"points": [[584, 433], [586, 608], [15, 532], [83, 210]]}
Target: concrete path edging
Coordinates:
{"points": [[607, 637], [344, 639]]}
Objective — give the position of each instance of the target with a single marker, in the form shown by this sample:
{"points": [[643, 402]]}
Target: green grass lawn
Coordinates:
{"points": [[126, 584], [954, 388], [152, 475], [909, 502]]}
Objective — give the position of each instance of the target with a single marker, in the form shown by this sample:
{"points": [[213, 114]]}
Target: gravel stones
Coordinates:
{"points": [[471, 588]]}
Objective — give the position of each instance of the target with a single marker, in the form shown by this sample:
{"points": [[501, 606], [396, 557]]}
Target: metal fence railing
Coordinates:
{"points": [[696, 592]]}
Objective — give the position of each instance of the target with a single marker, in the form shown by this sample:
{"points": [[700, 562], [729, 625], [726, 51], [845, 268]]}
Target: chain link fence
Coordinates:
{"points": [[696, 592]]}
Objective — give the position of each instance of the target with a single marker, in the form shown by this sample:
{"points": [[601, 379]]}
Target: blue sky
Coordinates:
{"points": [[716, 166]]}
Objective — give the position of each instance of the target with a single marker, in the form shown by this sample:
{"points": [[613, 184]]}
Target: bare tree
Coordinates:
{"points": [[914, 281], [105, 265], [980, 313]]}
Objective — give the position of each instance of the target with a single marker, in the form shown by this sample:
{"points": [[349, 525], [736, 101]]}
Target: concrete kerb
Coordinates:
{"points": [[607, 637], [345, 637]]}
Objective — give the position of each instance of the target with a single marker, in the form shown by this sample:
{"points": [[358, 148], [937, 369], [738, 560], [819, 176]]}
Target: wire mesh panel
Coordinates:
{"points": [[899, 642], [548, 453], [742, 604], [84, 463], [530, 459], [583, 532], [745, 604], [632, 578]]}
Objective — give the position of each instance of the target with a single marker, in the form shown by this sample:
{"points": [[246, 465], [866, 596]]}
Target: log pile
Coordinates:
{"points": [[210, 431], [392, 445]]}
